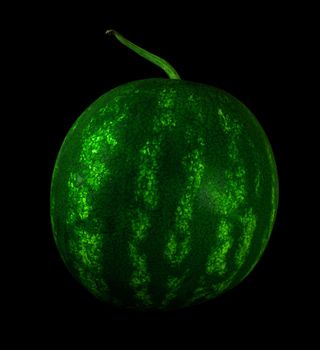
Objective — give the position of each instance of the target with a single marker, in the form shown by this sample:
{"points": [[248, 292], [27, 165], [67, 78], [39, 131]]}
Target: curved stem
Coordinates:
{"points": [[171, 72]]}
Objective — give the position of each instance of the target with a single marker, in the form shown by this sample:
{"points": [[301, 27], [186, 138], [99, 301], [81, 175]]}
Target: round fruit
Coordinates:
{"points": [[164, 194]]}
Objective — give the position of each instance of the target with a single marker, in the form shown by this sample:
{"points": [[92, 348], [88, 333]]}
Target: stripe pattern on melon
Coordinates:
{"points": [[164, 194]]}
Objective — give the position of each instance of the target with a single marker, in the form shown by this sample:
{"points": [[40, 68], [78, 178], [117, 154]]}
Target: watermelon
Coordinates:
{"points": [[164, 194]]}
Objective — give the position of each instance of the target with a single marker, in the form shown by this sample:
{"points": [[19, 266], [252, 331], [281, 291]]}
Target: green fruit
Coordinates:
{"points": [[164, 194]]}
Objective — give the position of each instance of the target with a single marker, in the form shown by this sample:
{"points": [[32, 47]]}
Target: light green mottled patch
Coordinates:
{"points": [[249, 225], [140, 278], [233, 129], [257, 183], [113, 107], [140, 225], [200, 292], [147, 180], [191, 98], [178, 245], [79, 198], [203, 292], [173, 285], [233, 151], [229, 195], [236, 187], [207, 292], [167, 98], [87, 243], [89, 248], [177, 251], [217, 259], [71, 217], [228, 125], [274, 184], [165, 118], [171, 246], [240, 173], [224, 285], [224, 121], [103, 110], [87, 252]]}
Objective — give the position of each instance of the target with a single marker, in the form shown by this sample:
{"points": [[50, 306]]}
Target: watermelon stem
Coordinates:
{"points": [[171, 72]]}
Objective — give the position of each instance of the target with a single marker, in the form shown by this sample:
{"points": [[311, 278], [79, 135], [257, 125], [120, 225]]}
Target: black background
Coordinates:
{"points": [[253, 53]]}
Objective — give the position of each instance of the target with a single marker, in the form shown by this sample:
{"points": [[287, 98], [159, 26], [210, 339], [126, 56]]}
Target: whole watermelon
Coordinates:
{"points": [[164, 194]]}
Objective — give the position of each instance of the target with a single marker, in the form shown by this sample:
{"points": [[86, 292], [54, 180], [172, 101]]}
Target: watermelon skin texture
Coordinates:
{"points": [[163, 195]]}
